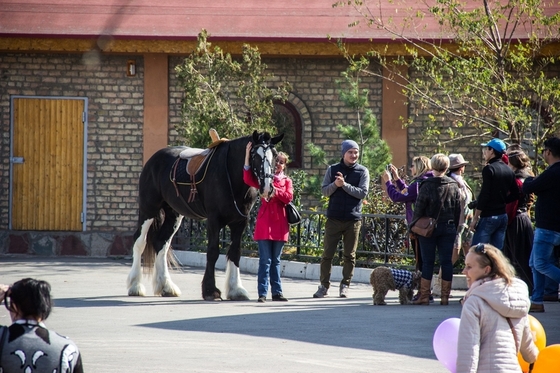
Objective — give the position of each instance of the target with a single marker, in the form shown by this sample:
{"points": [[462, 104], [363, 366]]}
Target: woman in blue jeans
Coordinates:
{"points": [[271, 228], [438, 198]]}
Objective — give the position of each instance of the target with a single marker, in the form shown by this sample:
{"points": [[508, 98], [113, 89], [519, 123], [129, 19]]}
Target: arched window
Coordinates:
{"points": [[288, 121]]}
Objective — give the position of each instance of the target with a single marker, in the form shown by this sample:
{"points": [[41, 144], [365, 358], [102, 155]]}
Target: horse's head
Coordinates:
{"points": [[262, 160]]}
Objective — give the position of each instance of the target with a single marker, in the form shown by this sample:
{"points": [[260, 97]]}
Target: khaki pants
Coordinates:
{"points": [[349, 231]]}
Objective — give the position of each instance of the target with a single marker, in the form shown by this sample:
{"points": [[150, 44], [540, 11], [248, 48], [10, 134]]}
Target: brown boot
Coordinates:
{"points": [[424, 298], [445, 291]]}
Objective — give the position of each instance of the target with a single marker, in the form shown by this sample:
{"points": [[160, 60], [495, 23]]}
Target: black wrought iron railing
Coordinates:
{"points": [[384, 240]]}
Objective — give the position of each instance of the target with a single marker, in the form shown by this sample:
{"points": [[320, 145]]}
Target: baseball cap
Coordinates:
{"points": [[496, 144]]}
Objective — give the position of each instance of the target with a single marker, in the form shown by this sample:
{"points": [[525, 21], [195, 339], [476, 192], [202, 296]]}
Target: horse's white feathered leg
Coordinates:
{"points": [[234, 289], [162, 280], [134, 281]]}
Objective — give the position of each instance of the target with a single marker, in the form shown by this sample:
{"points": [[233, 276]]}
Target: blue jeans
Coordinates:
{"points": [[542, 261], [269, 262], [443, 239], [492, 230], [551, 286]]}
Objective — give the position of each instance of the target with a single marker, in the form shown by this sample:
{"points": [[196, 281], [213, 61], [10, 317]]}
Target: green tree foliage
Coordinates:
{"points": [[230, 95], [479, 74], [374, 151]]}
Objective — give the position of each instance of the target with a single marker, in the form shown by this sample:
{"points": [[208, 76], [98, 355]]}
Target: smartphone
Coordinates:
{"points": [[388, 168]]}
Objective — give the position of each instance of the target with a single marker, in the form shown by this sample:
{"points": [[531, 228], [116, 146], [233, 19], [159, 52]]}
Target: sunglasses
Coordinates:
{"points": [[481, 249]]}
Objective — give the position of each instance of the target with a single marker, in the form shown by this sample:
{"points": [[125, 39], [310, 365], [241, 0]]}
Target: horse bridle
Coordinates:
{"points": [[265, 160], [262, 170]]}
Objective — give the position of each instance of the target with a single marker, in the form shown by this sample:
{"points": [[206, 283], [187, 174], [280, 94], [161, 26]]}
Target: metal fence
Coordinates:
{"points": [[383, 240]]}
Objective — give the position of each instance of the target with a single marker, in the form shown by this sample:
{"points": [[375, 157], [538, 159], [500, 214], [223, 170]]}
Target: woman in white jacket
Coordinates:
{"points": [[494, 324]]}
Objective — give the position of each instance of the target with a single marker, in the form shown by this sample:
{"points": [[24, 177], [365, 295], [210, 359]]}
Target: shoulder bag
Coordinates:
{"points": [[425, 225], [293, 215]]}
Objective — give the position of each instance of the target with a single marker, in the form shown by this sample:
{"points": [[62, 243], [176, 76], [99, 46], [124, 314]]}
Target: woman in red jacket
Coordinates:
{"points": [[271, 227]]}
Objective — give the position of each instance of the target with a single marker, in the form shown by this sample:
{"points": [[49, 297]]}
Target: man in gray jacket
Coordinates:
{"points": [[346, 184]]}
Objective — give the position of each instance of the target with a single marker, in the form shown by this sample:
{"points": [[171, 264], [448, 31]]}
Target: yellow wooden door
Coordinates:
{"points": [[47, 164]]}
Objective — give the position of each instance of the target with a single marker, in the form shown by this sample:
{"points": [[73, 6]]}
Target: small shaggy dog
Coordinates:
{"points": [[383, 279]]}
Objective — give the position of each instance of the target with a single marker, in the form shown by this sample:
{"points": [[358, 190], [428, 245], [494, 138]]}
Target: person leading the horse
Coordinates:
{"points": [[271, 227], [346, 184]]}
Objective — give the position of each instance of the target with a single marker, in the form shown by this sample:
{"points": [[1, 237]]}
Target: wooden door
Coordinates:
{"points": [[47, 164]]}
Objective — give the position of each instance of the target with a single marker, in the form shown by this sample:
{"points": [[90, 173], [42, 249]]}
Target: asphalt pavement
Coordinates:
{"points": [[117, 333]]}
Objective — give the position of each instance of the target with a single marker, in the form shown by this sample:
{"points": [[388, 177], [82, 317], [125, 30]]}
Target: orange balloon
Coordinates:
{"points": [[539, 338], [522, 363], [547, 361]]}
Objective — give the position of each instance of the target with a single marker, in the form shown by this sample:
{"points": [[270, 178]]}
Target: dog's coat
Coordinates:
{"points": [[383, 279]]}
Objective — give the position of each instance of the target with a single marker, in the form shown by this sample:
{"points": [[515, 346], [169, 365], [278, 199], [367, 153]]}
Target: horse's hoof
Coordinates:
{"points": [[238, 294], [216, 297], [169, 294], [239, 297], [136, 291]]}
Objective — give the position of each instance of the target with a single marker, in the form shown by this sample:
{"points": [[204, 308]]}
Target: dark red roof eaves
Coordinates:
{"points": [[251, 20], [297, 20]]}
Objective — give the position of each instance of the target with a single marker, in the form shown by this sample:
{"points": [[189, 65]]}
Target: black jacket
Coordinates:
{"points": [[430, 197], [547, 207], [498, 188], [345, 203]]}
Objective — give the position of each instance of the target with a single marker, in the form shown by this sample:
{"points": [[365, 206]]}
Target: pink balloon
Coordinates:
{"points": [[445, 342]]}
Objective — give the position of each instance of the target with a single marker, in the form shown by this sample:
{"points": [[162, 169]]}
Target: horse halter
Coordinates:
{"points": [[263, 170]]}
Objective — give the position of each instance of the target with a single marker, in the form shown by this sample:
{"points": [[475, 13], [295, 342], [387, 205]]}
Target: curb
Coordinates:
{"points": [[306, 271]]}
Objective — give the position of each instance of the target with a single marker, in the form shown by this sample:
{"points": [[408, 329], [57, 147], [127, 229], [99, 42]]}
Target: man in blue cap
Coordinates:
{"points": [[499, 187], [346, 184]]}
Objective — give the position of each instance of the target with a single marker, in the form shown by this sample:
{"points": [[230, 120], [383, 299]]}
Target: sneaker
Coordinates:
{"points": [[344, 289], [279, 298], [321, 292], [431, 298], [261, 299], [536, 308]]}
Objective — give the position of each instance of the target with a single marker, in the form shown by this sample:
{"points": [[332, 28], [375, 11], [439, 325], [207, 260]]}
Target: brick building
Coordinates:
{"points": [[88, 93]]}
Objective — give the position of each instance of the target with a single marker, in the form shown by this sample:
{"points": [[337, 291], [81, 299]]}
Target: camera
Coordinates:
{"points": [[472, 205]]}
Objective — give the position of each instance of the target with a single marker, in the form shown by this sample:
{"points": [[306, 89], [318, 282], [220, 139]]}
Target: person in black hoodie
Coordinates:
{"points": [[439, 198], [498, 188]]}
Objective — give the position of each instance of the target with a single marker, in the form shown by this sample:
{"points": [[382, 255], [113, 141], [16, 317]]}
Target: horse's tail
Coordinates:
{"points": [[149, 254]]}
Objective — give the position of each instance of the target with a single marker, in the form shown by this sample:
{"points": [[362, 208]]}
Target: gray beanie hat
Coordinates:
{"points": [[347, 145]]}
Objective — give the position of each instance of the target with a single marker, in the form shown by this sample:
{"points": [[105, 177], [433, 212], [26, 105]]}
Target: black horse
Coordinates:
{"points": [[220, 196]]}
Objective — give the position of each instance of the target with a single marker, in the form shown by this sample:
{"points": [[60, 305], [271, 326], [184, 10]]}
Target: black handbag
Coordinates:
{"points": [[293, 215]]}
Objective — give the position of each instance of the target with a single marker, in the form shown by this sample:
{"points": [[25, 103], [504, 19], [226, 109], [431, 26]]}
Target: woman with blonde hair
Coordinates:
{"points": [[494, 324], [438, 198], [398, 191]]}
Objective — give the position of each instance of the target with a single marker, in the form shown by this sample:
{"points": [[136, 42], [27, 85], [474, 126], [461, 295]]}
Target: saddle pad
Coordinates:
{"points": [[191, 152]]}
